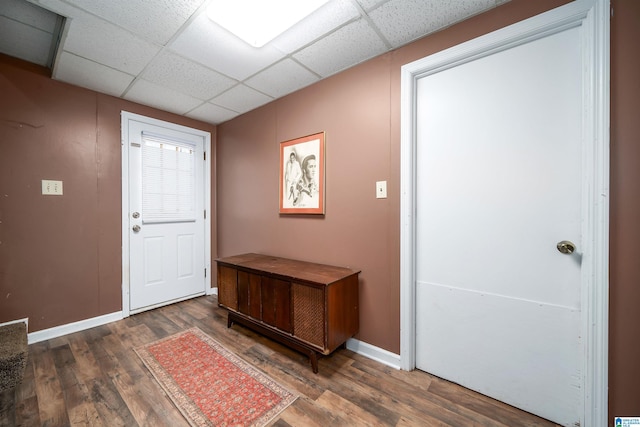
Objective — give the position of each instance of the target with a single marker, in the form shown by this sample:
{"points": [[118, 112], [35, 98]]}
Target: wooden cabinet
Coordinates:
{"points": [[312, 308]]}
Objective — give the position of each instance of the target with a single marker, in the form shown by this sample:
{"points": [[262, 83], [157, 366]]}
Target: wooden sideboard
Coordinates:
{"points": [[312, 308]]}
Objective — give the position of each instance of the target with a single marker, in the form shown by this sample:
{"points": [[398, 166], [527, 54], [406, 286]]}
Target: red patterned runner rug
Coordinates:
{"points": [[210, 385]]}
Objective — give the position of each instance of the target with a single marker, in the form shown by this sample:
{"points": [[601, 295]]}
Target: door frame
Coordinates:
{"points": [[125, 118], [593, 16]]}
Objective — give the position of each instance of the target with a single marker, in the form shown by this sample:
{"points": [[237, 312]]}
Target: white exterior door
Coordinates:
{"points": [[165, 219], [499, 184]]}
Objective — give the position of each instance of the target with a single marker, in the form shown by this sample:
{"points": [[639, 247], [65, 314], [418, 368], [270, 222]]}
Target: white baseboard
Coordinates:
{"points": [[367, 350], [70, 328], [375, 353]]}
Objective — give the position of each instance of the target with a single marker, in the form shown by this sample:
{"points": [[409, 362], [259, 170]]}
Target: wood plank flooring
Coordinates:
{"points": [[94, 378]]}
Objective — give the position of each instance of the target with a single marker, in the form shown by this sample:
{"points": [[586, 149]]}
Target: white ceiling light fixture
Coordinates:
{"points": [[257, 22]]}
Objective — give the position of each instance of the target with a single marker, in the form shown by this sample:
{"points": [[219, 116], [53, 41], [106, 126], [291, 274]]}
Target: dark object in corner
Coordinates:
{"points": [[14, 350]]}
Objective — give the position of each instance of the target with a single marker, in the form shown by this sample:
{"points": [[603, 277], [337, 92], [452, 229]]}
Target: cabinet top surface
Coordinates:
{"points": [[302, 270]]}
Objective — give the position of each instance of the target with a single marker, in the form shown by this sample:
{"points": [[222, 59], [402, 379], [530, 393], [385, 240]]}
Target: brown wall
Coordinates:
{"points": [[624, 286], [357, 230], [60, 256], [360, 112]]}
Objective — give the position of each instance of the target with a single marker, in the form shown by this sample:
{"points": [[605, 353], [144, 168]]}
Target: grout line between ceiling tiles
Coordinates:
{"points": [[364, 15]]}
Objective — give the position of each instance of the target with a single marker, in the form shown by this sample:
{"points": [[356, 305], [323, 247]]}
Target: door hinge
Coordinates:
{"points": [[205, 156], [205, 214], [205, 273]]}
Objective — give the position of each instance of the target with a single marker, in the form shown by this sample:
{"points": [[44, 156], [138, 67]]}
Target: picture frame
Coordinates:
{"points": [[302, 175]]}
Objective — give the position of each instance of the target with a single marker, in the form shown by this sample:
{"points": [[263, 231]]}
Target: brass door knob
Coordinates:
{"points": [[566, 247]]}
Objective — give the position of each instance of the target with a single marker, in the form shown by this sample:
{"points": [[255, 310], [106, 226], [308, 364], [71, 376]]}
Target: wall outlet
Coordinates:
{"points": [[381, 189], [50, 187]]}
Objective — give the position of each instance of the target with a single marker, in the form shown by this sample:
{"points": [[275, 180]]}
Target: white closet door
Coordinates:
{"points": [[499, 185]]}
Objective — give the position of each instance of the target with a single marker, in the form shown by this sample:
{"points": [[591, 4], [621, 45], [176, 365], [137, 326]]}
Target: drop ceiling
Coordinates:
{"points": [[169, 55]]}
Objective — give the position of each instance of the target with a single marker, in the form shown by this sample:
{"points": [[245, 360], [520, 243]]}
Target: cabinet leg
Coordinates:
{"points": [[229, 321], [313, 358]]}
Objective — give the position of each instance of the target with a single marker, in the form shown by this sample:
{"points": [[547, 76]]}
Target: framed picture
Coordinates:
{"points": [[302, 175]]}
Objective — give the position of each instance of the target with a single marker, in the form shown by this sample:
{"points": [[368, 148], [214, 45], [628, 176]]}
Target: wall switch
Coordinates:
{"points": [[381, 189], [50, 187]]}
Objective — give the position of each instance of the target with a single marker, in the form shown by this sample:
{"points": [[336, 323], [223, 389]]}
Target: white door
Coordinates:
{"points": [[498, 186], [166, 213]]}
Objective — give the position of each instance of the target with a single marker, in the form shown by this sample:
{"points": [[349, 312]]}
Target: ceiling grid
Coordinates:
{"points": [[170, 55]]}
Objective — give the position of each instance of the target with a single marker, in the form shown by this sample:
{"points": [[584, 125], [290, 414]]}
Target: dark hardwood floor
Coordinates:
{"points": [[94, 378]]}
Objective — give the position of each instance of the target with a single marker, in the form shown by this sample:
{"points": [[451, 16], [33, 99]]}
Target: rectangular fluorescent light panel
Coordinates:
{"points": [[257, 22]]}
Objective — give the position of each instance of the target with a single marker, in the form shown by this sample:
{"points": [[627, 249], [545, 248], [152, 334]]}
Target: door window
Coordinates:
{"points": [[168, 180]]}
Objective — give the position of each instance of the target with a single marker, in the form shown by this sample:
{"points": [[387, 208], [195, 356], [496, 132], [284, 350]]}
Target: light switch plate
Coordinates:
{"points": [[381, 189], [51, 188]]}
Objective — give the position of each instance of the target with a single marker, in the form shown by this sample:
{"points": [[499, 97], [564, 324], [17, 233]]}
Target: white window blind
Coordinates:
{"points": [[168, 180]]}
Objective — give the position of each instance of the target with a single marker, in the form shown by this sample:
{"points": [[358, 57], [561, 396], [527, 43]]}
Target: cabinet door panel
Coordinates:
{"points": [[255, 299], [227, 287], [276, 303], [243, 292]]}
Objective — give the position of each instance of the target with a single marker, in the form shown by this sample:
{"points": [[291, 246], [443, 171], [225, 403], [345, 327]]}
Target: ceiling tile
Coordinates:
{"points": [[282, 78], [169, 55], [367, 5], [29, 14], [402, 21], [346, 47], [147, 93], [241, 99], [321, 22], [28, 31], [207, 43], [82, 72], [210, 113], [32, 45], [155, 21], [183, 75], [107, 44], [61, 7]]}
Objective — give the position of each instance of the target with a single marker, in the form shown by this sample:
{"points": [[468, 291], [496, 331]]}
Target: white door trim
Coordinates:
{"points": [[125, 118], [593, 16]]}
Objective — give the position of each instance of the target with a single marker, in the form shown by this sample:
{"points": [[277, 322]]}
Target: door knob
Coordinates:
{"points": [[136, 228], [566, 247]]}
